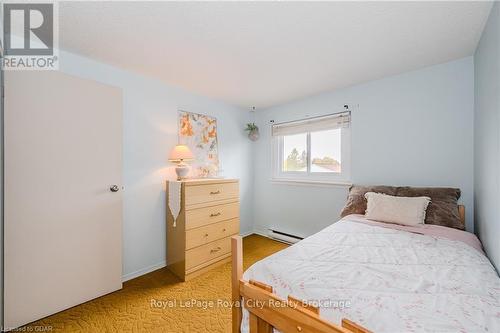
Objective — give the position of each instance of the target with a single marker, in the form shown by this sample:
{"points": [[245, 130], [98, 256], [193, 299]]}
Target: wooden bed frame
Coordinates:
{"points": [[268, 311]]}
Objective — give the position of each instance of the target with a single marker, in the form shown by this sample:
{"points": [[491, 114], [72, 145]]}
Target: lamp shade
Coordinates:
{"points": [[180, 152]]}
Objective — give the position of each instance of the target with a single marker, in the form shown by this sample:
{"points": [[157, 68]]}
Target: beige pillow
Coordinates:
{"points": [[400, 210]]}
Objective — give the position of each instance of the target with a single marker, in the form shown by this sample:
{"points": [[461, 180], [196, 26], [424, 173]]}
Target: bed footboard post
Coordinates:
{"points": [[461, 213], [236, 275]]}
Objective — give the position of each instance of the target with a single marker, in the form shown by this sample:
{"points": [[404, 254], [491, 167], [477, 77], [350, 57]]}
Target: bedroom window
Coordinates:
{"points": [[315, 149]]}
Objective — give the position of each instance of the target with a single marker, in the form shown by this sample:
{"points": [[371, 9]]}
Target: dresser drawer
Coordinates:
{"points": [[198, 194], [212, 232], [208, 215], [207, 252]]}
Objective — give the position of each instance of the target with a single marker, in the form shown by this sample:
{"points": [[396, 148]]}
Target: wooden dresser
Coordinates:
{"points": [[209, 216]]}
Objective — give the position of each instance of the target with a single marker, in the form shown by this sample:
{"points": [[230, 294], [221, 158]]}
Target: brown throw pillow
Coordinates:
{"points": [[356, 201], [443, 209]]}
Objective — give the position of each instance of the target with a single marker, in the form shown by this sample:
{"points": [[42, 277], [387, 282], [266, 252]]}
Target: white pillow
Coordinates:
{"points": [[400, 210]]}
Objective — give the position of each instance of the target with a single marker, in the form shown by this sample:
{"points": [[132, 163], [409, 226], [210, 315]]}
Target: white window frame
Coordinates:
{"points": [[342, 178]]}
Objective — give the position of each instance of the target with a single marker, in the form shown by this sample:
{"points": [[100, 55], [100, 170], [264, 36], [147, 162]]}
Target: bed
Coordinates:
{"points": [[359, 275]]}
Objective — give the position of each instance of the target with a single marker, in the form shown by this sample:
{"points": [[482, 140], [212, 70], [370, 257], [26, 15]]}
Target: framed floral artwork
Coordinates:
{"points": [[199, 133]]}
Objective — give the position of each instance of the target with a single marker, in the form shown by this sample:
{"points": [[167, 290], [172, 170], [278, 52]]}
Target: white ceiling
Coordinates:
{"points": [[268, 53]]}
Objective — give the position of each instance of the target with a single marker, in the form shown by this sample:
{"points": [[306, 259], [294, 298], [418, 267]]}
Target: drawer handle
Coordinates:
{"points": [[214, 214], [206, 235], [217, 249], [215, 192], [224, 230]]}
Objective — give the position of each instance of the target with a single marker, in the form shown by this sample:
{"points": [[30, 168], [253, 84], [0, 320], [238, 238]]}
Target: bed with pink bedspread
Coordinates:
{"points": [[389, 278]]}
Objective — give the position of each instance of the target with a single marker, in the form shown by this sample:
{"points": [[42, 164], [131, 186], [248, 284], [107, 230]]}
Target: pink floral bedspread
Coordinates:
{"points": [[426, 229], [388, 279]]}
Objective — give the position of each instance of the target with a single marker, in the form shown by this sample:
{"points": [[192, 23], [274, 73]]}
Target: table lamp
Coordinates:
{"points": [[178, 155]]}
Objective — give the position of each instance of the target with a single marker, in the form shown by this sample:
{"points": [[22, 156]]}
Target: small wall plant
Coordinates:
{"points": [[253, 131], [251, 127]]}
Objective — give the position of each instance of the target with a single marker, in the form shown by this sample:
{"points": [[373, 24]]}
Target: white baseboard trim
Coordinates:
{"points": [[261, 231], [247, 233], [143, 271], [162, 264]]}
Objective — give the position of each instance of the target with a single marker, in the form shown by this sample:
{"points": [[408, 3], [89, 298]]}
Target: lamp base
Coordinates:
{"points": [[182, 170]]}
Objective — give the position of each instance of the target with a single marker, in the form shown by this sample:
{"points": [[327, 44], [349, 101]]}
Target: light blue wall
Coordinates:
{"points": [[1, 196], [487, 137], [149, 133], [410, 129]]}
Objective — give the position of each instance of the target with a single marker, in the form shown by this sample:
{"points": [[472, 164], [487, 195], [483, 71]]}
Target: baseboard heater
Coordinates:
{"points": [[284, 237]]}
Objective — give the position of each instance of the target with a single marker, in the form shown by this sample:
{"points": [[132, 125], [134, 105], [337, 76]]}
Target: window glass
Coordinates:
{"points": [[326, 151], [294, 153]]}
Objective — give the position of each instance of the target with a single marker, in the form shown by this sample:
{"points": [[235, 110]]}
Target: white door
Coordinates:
{"points": [[63, 224]]}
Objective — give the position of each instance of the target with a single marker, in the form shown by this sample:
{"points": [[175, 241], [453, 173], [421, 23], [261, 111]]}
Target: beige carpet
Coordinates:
{"points": [[131, 310]]}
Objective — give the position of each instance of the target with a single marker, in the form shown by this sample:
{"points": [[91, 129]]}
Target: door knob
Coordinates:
{"points": [[114, 188]]}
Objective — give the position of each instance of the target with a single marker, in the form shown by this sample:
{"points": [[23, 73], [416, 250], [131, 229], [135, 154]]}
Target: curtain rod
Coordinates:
{"points": [[309, 118]]}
